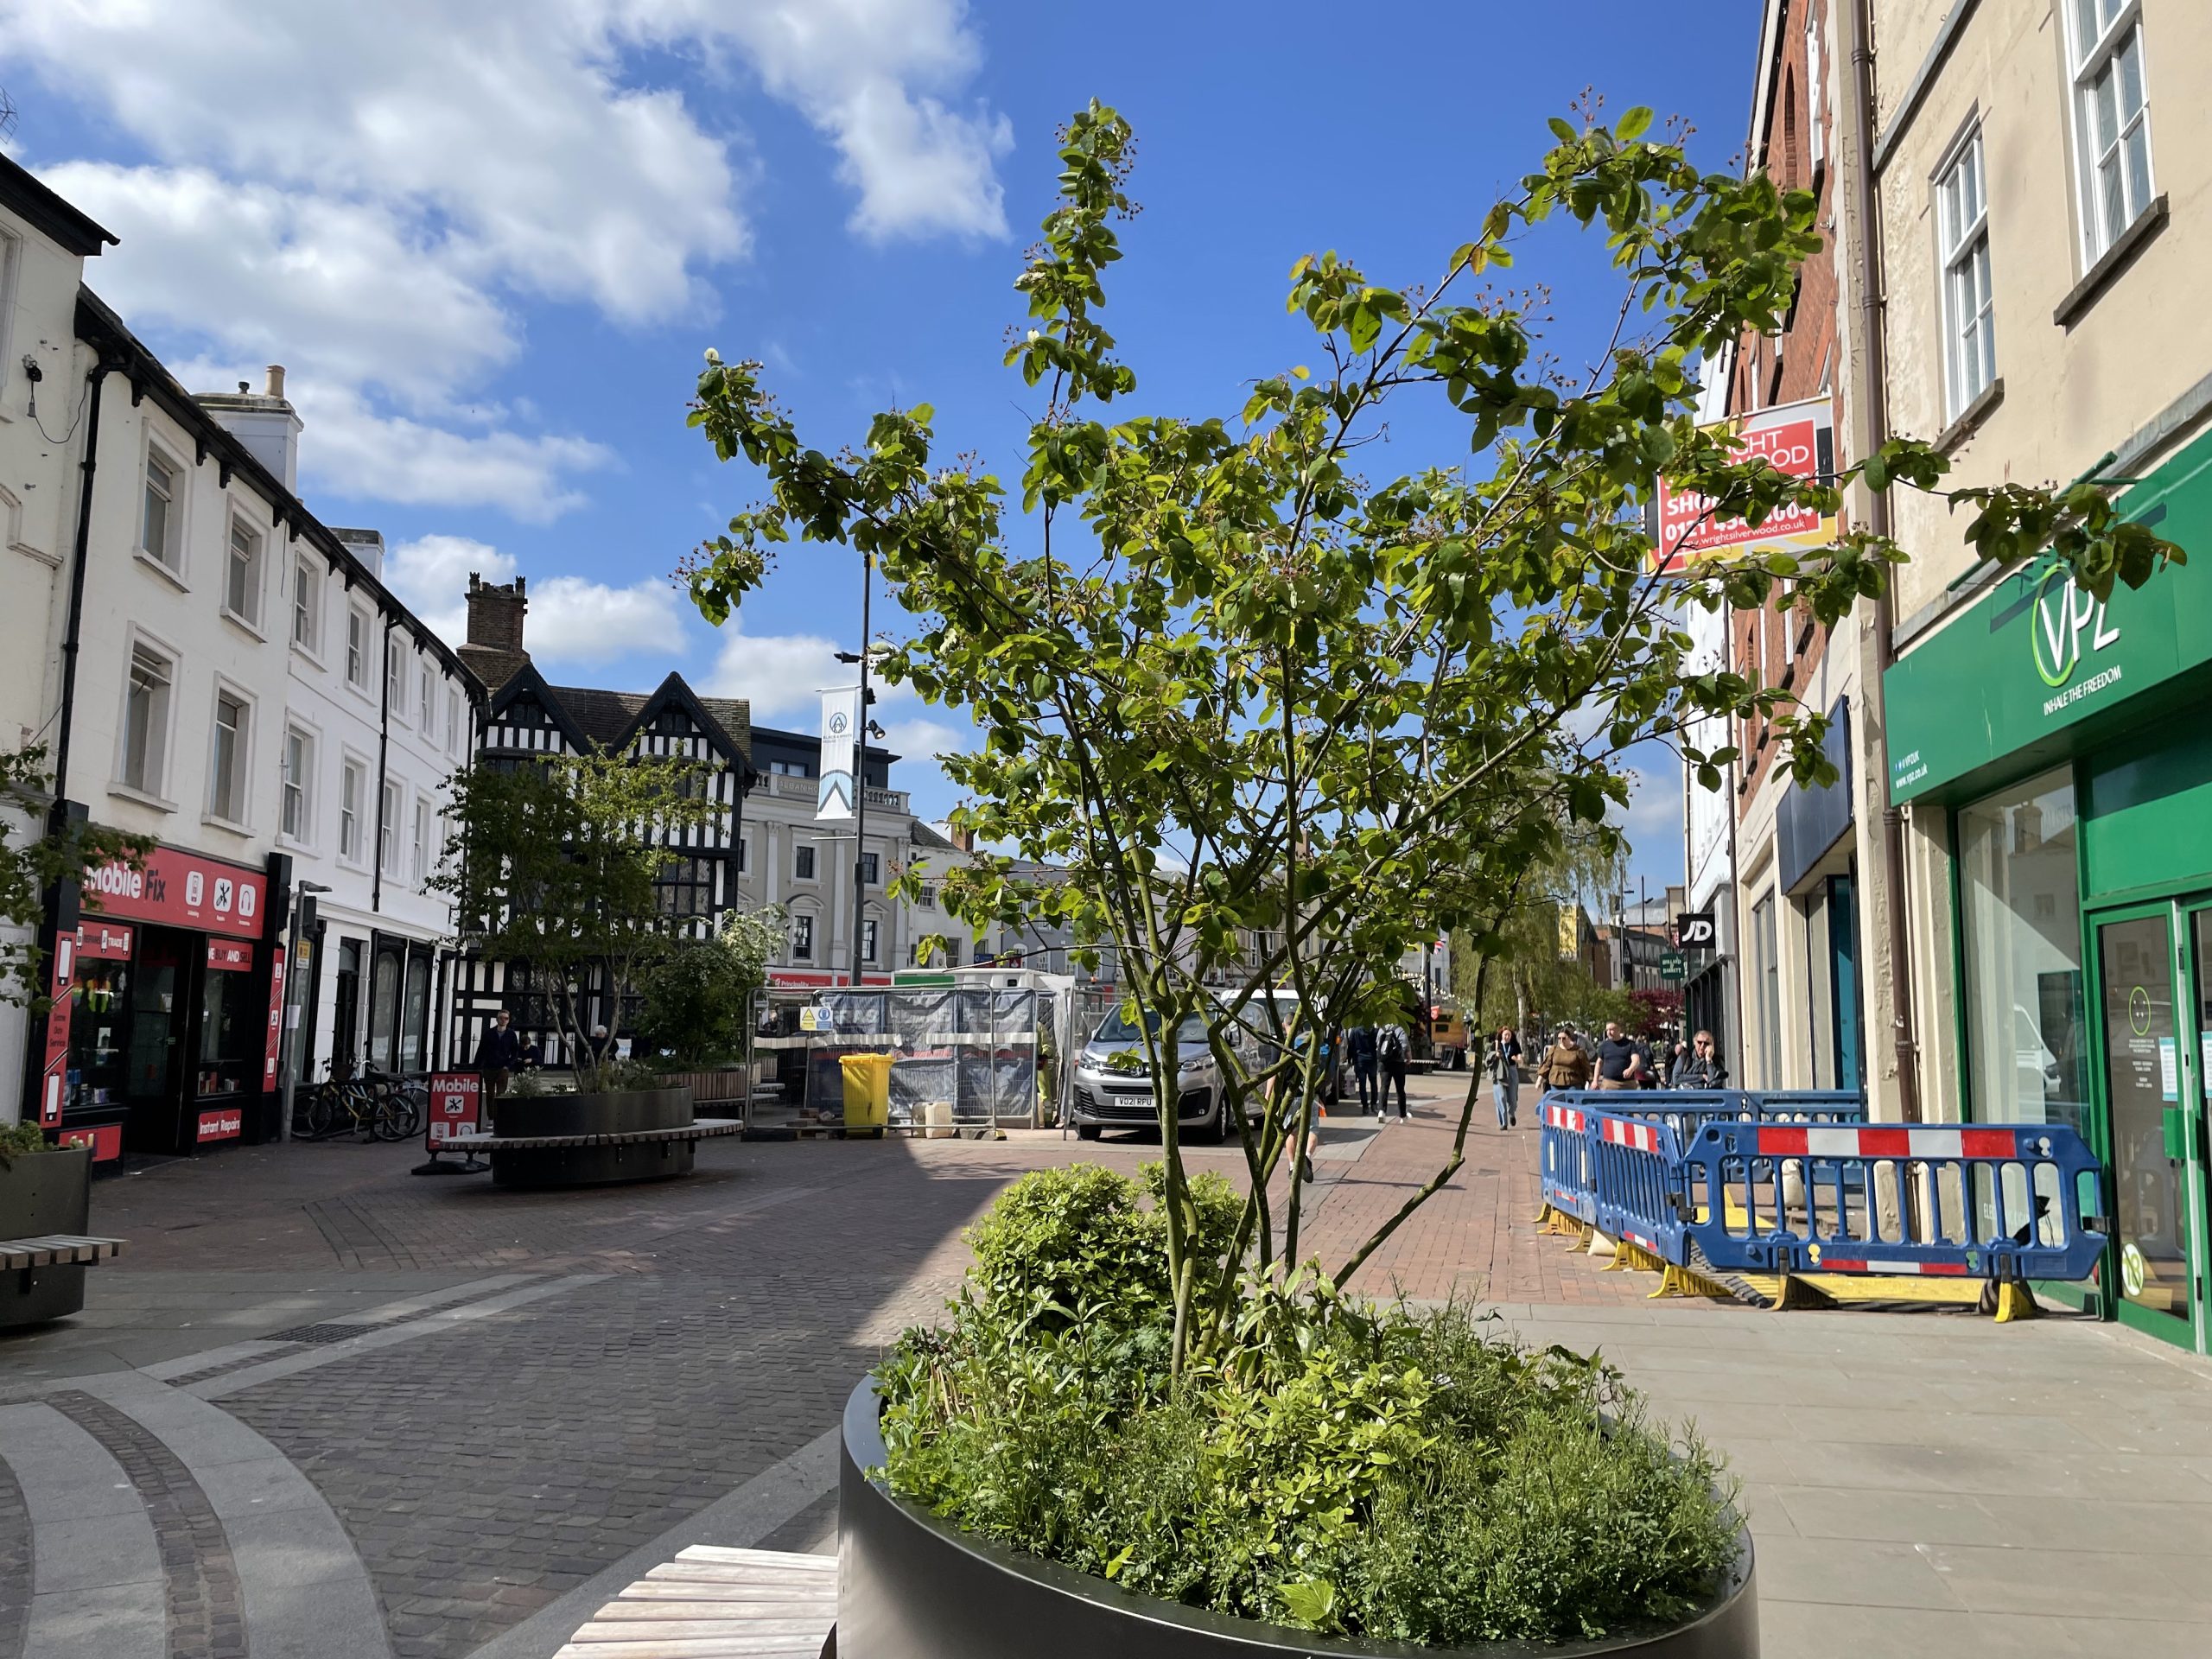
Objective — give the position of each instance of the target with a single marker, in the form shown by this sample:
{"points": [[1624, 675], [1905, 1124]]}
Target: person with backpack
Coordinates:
{"points": [[1505, 1075], [1359, 1048], [1390, 1050]]}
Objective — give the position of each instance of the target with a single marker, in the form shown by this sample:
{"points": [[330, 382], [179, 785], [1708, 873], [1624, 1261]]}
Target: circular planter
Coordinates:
{"points": [[589, 1161], [911, 1586]]}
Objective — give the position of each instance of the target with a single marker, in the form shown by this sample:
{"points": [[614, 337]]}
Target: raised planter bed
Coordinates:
{"points": [[596, 1139], [44, 1195], [911, 1586]]}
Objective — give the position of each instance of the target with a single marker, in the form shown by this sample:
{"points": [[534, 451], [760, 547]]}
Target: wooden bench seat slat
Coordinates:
{"points": [[777, 1560], [698, 1589]]}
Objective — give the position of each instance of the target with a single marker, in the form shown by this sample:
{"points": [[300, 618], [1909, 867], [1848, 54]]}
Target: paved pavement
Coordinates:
{"points": [[323, 1407]]}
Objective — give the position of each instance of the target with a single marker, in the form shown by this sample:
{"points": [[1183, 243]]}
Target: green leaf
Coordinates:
{"points": [[1633, 125]]}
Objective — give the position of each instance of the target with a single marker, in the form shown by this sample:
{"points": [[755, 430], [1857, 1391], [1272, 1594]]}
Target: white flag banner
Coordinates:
{"points": [[840, 711]]}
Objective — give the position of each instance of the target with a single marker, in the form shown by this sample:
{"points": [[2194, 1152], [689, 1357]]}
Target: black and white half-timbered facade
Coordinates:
{"points": [[529, 719]]}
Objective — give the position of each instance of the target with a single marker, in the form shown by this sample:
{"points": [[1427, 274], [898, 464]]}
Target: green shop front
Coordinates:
{"points": [[2070, 743]]}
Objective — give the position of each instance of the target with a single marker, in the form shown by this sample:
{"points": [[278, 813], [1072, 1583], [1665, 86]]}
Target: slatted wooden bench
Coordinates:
{"points": [[56, 1250], [701, 1128], [711, 1602]]}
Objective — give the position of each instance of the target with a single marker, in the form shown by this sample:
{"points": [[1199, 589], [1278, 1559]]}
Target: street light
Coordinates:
{"points": [[290, 1009], [862, 729]]}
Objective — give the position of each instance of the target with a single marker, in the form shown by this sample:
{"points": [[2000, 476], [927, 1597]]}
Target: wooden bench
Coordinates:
{"points": [[761, 1603], [56, 1250]]}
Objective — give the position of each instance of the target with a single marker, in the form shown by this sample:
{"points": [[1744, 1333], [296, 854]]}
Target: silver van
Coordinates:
{"points": [[1113, 1081]]}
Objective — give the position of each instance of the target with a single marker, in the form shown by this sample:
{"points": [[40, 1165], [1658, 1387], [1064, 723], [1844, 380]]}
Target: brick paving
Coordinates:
{"points": [[206, 1616], [15, 1564]]}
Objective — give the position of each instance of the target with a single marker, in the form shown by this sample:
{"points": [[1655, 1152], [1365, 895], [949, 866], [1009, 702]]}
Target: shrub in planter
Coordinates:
{"points": [[1382, 1473]]}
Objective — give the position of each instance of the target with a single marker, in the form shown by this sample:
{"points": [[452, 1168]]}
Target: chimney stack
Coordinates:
{"points": [[275, 381], [495, 613], [963, 837]]}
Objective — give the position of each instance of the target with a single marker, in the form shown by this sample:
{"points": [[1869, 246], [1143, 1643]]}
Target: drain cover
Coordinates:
{"points": [[319, 1333]]}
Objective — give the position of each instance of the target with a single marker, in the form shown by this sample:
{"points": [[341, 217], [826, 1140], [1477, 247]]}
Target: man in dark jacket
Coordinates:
{"points": [[1359, 1049], [500, 1056], [1704, 1069]]}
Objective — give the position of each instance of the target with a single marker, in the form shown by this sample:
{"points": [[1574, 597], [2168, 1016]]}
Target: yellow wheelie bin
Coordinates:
{"points": [[867, 1092]]}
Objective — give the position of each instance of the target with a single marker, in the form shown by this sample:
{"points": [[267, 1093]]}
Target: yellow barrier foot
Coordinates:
{"points": [[1675, 1280], [2014, 1300]]}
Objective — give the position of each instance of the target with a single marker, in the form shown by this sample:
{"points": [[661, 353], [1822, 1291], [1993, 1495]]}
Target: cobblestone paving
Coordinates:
{"points": [[207, 1617]]}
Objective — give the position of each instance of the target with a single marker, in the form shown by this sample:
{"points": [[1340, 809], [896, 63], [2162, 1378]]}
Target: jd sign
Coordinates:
{"points": [[2062, 612]]}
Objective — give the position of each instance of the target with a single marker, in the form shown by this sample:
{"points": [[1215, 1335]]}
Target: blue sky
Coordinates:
{"points": [[491, 242]]}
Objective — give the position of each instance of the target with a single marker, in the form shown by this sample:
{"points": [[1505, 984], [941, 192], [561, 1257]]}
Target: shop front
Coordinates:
{"points": [[162, 1032], [2069, 745]]}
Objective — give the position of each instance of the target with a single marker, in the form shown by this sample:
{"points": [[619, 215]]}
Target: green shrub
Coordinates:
{"points": [[1382, 1473]]}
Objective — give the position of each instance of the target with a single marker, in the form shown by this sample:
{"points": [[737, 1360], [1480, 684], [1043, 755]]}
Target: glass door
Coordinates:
{"points": [[2155, 1214]]}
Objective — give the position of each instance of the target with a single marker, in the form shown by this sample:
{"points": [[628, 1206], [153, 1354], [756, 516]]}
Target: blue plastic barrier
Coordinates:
{"points": [[1636, 1168], [1991, 1201], [1566, 1168]]}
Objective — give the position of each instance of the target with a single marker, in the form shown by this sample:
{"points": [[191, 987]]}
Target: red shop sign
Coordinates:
{"points": [[276, 1017], [230, 958], [101, 941], [224, 1123], [183, 889], [104, 1138], [454, 1102]]}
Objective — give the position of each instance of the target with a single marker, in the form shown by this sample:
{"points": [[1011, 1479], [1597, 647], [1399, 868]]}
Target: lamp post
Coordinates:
{"points": [[290, 1009], [862, 726]]}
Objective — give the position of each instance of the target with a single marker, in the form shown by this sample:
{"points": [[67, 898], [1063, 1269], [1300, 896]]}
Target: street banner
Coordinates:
{"points": [[1798, 439], [840, 711]]}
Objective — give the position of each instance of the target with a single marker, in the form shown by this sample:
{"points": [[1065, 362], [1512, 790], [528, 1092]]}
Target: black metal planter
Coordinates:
{"points": [[41, 1194], [910, 1586], [593, 1139]]}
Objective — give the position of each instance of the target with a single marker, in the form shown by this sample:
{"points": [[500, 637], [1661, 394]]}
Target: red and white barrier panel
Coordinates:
{"points": [[1562, 1117], [1839, 1264], [1894, 1140], [1629, 1132]]}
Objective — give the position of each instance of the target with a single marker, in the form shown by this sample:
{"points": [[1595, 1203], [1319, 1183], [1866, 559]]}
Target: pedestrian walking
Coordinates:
{"points": [[1359, 1046], [1390, 1049], [1621, 1064], [1505, 1075], [1704, 1069], [1566, 1064], [499, 1055]]}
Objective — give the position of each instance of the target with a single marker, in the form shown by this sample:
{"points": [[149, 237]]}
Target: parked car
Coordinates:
{"points": [[1113, 1080]]}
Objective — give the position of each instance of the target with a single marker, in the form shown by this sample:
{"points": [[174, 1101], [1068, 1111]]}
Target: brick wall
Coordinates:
{"points": [[1774, 648]]}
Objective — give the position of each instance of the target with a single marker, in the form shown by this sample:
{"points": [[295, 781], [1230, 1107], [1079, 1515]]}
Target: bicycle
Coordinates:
{"points": [[377, 1105]]}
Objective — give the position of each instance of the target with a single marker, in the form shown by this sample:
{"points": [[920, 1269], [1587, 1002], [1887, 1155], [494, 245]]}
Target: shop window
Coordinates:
{"points": [[161, 531], [352, 790], [2112, 119], [227, 766], [415, 1018], [228, 1028], [357, 649], [1766, 976], [146, 720], [242, 574], [1962, 235], [299, 780], [2020, 934]]}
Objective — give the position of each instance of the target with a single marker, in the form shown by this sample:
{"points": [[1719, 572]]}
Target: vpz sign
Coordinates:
{"points": [[1695, 933]]}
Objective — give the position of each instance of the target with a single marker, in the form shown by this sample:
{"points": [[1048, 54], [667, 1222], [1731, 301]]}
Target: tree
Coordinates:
{"points": [[1525, 981], [553, 865], [32, 863], [697, 1001], [1234, 684]]}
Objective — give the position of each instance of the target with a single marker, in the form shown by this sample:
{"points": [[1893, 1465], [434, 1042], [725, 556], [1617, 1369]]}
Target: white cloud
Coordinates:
{"points": [[780, 675], [363, 193], [572, 622], [924, 740]]}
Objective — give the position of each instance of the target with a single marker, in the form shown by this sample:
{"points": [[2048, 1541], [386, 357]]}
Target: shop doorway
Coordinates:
{"points": [[345, 1010], [160, 1010], [2152, 1029]]}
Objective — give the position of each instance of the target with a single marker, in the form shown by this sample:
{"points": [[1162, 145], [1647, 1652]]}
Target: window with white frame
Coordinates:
{"points": [[161, 530], [1816, 144], [2112, 119], [242, 573], [803, 939], [11, 265], [395, 681], [872, 869], [307, 604], [357, 647], [299, 781], [453, 720], [353, 791], [803, 863], [146, 719], [226, 762], [388, 828], [1962, 236], [426, 696], [419, 853], [867, 938]]}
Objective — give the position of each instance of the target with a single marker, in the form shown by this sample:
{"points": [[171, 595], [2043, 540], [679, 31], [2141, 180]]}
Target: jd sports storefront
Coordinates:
{"points": [[2070, 744]]}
